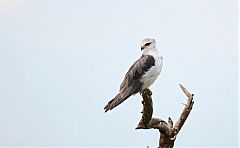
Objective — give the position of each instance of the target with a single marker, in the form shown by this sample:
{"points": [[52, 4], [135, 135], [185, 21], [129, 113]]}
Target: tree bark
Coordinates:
{"points": [[168, 132]]}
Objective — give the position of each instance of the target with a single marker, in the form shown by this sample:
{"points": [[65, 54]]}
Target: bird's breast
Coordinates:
{"points": [[155, 70], [151, 75]]}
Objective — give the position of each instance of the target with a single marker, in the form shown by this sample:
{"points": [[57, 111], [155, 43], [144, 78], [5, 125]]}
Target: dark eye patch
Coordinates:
{"points": [[147, 44]]}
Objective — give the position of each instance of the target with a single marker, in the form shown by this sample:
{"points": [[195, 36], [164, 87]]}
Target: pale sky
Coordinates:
{"points": [[62, 61]]}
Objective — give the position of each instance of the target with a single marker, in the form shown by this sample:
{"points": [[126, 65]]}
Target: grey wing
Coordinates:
{"points": [[131, 83]]}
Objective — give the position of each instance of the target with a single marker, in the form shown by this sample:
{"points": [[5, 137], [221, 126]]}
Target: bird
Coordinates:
{"points": [[141, 75]]}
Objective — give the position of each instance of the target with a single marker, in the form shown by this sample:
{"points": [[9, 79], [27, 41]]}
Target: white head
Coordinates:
{"points": [[148, 44]]}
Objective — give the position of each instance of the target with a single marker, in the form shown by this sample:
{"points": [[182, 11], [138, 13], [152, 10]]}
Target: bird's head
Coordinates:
{"points": [[148, 44]]}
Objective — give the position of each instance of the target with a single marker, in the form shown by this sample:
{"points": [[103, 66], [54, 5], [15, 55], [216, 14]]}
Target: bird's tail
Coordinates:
{"points": [[114, 102]]}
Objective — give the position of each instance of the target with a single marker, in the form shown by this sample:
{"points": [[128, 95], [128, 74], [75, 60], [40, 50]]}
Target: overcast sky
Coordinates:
{"points": [[62, 61]]}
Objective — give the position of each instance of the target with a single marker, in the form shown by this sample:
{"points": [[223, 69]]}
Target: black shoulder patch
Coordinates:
{"points": [[145, 64], [149, 63]]}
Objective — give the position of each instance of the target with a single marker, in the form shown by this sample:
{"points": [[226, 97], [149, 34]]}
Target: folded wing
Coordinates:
{"points": [[131, 83]]}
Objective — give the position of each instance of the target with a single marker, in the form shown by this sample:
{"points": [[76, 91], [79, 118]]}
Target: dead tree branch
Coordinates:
{"points": [[168, 132]]}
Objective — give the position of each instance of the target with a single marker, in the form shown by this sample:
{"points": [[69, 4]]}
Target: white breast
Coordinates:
{"points": [[149, 77]]}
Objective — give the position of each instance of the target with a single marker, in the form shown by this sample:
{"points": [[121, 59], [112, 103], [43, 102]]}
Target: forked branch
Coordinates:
{"points": [[168, 132]]}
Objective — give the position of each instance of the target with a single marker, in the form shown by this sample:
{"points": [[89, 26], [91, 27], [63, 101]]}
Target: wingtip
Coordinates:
{"points": [[106, 108]]}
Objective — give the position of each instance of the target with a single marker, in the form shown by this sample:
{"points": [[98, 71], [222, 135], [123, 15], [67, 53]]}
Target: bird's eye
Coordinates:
{"points": [[147, 44]]}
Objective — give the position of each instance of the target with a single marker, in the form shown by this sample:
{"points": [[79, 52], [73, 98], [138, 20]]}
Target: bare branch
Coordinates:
{"points": [[186, 111], [168, 132], [147, 107]]}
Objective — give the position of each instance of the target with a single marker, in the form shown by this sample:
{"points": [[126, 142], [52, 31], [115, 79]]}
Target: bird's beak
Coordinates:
{"points": [[142, 48]]}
